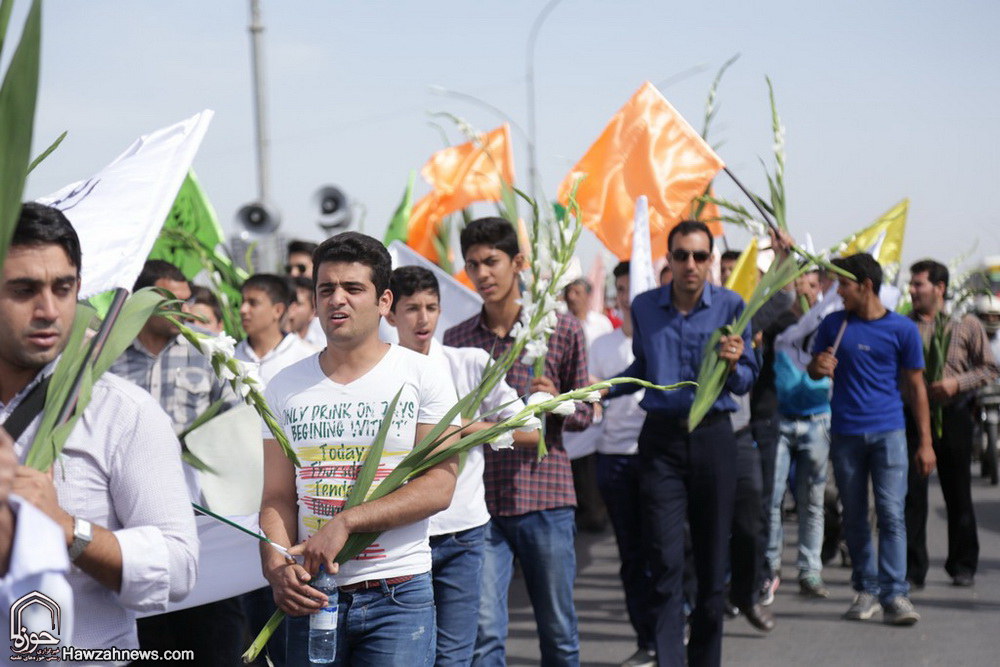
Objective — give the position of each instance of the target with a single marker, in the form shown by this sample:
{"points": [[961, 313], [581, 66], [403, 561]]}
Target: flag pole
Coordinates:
{"points": [[753, 200]]}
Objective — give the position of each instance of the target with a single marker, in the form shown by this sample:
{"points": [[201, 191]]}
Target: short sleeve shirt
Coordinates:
{"points": [[870, 358], [331, 427]]}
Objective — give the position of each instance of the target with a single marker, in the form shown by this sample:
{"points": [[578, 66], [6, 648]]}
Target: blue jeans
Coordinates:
{"points": [[458, 575], [618, 481], [807, 441], [388, 625], [542, 542], [883, 458]]}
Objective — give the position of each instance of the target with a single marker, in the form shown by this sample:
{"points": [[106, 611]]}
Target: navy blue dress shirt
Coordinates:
{"points": [[668, 347]]}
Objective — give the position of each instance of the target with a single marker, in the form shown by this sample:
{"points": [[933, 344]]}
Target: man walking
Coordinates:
{"points": [[687, 475], [869, 351], [969, 365], [331, 405]]}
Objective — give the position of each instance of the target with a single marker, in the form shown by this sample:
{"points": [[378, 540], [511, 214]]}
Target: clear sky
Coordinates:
{"points": [[881, 100]]}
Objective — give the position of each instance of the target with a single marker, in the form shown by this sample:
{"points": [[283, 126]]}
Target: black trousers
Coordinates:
{"points": [[745, 549], [214, 631], [765, 434], [954, 452], [688, 476]]}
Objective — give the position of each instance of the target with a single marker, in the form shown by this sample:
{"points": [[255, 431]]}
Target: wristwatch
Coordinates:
{"points": [[82, 535]]}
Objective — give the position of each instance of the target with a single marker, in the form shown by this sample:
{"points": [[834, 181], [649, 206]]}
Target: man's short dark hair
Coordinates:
{"points": [[157, 269], [936, 271], [356, 247], [39, 224], [303, 247], [307, 284], [204, 296], [863, 267], [408, 280], [494, 232], [686, 227], [621, 270], [277, 288], [730, 256]]}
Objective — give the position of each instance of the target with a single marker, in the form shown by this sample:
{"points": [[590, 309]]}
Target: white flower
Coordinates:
{"points": [[539, 397], [564, 408], [225, 372], [567, 235], [534, 349], [564, 279], [518, 331], [531, 423], [592, 397], [241, 388], [218, 345], [503, 441]]}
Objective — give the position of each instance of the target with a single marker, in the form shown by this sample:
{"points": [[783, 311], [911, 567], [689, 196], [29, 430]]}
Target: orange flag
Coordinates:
{"points": [[460, 175], [647, 149]]}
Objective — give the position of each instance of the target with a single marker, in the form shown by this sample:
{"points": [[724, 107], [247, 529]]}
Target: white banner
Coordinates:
{"points": [[640, 268], [118, 212]]}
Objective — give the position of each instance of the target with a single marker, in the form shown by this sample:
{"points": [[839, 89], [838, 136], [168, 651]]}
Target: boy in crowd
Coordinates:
{"points": [[457, 535], [265, 300]]}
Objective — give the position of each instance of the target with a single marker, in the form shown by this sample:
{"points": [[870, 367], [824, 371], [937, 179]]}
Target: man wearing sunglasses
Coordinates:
{"points": [[687, 475]]}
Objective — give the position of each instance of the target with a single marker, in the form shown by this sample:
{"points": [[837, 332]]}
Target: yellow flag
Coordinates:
{"points": [[743, 279], [883, 239]]}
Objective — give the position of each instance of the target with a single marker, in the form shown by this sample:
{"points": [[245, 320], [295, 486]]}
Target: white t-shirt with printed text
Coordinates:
{"points": [[331, 427]]}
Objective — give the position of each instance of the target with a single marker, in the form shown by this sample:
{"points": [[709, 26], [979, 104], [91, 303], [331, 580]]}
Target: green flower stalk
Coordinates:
{"points": [[935, 357], [428, 453]]}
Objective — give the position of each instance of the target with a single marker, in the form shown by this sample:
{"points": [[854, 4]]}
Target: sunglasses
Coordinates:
{"points": [[700, 256], [301, 268]]}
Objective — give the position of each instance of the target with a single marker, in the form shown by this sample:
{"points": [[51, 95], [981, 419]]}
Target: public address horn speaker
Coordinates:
{"points": [[334, 209], [258, 218]]}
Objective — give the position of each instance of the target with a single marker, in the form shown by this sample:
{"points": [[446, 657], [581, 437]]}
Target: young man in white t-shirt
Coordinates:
{"points": [[266, 298], [331, 406], [458, 534]]}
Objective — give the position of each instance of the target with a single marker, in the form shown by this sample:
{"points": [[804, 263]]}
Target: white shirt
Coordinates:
{"points": [[121, 469], [315, 334], [331, 427], [468, 506], [622, 416], [596, 325], [38, 562], [287, 352]]}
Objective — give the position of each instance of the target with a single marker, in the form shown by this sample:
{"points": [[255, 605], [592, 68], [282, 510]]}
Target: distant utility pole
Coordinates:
{"points": [[263, 142]]}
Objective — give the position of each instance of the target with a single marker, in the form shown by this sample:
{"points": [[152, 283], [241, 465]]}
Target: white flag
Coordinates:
{"points": [[118, 212], [641, 277]]}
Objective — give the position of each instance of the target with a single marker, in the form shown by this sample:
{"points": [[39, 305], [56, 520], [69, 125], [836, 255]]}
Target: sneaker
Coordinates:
{"points": [[864, 607], [899, 611], [641, 658], [812, 586], [768, 590]]}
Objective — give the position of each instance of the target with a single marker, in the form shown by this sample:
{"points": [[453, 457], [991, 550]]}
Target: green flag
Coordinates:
{"points": [[191, 213], [399, 225]]}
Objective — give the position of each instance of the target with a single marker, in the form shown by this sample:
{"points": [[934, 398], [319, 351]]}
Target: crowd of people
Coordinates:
{"points": [[826, 372]]}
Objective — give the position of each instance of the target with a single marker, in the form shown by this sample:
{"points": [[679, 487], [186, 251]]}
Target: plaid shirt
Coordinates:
{"points": [[180, 378], [970, 358], [516, 482]]}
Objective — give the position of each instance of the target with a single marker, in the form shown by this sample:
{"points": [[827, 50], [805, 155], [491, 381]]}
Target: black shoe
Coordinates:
{"points": [[759, 617], [963, 579], [730, 610]]}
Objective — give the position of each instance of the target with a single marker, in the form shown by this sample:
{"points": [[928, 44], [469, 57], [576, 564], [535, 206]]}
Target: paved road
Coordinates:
{"points": [[958, 626]]}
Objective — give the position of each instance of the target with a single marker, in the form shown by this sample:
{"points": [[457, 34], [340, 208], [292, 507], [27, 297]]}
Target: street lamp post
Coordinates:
{"points": [[530, 80], [263, 143]]}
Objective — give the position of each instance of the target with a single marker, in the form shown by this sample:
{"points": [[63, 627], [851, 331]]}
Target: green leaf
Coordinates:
{"points": [[399, 224], [189, 457], [373, 457], [5, 9], [48, 151], [137, 310], [203, 418], [18, 95]]}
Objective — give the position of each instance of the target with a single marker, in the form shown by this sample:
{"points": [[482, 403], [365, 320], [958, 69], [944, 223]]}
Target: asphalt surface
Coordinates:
{"points": [[958, 626]]}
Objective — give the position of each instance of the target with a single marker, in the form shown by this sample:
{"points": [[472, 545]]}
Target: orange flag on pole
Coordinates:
{"points": [[460, 175], [647, 149]]}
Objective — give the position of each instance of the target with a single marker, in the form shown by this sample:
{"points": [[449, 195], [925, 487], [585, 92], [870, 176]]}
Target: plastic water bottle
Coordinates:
{"points": [[323, 624]]}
